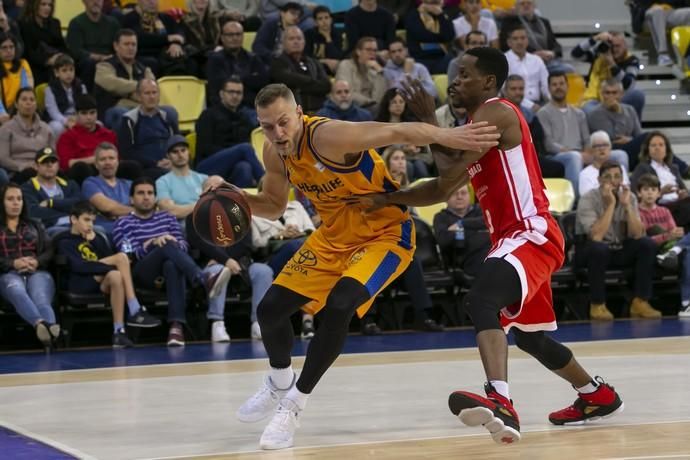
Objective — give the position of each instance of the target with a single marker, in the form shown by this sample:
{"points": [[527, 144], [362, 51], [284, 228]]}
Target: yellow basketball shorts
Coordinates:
{"points": [[316, 267]]}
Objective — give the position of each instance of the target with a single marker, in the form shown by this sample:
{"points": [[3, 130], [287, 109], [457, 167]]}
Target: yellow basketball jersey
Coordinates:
{"points": [[328, 186]]}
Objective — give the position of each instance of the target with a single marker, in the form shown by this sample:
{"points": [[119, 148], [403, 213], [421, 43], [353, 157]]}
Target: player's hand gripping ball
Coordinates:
{"points": [[222, 216]]}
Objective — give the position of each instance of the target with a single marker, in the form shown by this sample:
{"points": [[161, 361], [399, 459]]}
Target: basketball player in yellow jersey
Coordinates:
{"points": [[350, 258]]}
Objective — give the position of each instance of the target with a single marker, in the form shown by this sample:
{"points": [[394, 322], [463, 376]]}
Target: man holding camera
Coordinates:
{"points": [[608, 53]]}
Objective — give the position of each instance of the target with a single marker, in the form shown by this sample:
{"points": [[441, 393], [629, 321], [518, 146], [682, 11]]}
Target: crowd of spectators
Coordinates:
{"points": [[103, 170]]}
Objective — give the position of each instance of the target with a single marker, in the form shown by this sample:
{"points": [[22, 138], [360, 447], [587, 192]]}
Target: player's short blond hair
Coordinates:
{"points": [[270, 93]]}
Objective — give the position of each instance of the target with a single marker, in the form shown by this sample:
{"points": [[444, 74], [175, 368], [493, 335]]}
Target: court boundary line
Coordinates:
{"points": [[47, 441], [375, 353], [432, 438]]}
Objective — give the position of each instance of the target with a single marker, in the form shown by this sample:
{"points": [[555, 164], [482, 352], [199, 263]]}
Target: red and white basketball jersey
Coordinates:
{"points": [[509, 187]]}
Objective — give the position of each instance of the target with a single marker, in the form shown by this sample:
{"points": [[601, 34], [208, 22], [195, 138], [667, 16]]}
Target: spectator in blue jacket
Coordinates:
{"points": [[48, 197], [144, 132], [339, 105], [94, 267], [268, 42]]}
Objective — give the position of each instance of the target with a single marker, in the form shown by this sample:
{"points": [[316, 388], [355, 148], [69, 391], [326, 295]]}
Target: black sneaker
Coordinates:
{"points": [[143, 319], [371, 328], [428, 325], [668, 260], [120, 340]]}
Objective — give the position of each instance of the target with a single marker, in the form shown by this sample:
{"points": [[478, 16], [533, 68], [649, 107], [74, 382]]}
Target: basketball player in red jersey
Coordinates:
{"points": [[527, 247]]}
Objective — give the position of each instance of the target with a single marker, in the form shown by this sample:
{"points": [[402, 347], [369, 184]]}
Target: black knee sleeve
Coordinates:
{"points": [[551, 354], [483, 310]]}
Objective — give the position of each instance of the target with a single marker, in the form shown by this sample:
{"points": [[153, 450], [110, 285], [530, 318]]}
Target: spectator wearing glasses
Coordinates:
{"points": [[364, 74], [235, 60], [223, 136]]}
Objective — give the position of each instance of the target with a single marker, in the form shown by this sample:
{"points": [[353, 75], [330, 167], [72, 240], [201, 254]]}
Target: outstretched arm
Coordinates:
{"points": [[335, 138]]}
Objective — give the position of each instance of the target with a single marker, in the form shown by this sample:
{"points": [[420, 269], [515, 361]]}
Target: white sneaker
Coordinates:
{"points": [[218, 332], [664, 60], [280, 432], [263, 403], [684, 312], [256, 331]]}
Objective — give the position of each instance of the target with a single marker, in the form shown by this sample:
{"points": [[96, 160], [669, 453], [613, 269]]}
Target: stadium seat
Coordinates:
{"points": [[248, 40], [258, 143], [561, 195], [41, 97], [187, 95], [680, 39], [167, 5], [65, 10], [576, 89], [191, 139], [441, 82]]}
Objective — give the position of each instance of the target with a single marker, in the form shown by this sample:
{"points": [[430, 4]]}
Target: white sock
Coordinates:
{"points": [[297, 397], [501, 387], [591, 387], [282, 378]]}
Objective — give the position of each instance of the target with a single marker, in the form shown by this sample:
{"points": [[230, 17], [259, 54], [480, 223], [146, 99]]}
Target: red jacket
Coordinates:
{"points": [[80, 143]]}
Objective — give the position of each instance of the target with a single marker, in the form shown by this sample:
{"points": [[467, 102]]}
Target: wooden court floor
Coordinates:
{"points": [[380, 405]]}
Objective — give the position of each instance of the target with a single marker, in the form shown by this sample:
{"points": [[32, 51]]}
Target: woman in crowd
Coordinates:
{"points": [[15, 73], [656, 158], [201, 30], [43, 40], [364, 74], [23, 136], [24, 257]]}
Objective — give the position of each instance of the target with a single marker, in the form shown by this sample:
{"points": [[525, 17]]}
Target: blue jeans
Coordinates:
{"points": [[173, 264], [572, 164], [260, 276], [237, 164], [30, 294], [113, 116]]}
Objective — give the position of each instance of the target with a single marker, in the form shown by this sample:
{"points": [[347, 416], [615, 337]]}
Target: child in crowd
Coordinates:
{"points": [[94, 267], [670, 238], [60, 94]]}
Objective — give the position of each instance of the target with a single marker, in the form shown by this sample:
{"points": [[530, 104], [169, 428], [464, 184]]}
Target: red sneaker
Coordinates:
{"points": [[602, 403], [495, 413]]}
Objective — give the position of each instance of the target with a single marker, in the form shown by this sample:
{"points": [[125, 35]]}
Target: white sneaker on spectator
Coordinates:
{"points": [[280, 432], [262, 403], [256, 331], [218, 332], [664, 60], [684, 311]]}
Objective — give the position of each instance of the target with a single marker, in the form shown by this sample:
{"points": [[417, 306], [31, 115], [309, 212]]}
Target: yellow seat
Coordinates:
{"points": [[251, 191], [66, 10], [561, 195], [248, 40], [680, 39], [441, 82], [187, 95], [576, 89], [427, 213], [41, 97], [191, 140], [257, 139]]}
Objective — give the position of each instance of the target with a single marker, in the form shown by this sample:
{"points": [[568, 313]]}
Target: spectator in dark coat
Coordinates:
{"points": [[42, 36], [49, 197], [340, 106], [429, 36], [268, 42], [325, 42], [369, 20], [305, 76]]}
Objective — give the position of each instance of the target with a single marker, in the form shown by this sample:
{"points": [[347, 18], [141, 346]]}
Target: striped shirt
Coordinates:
{"points": [[658, 222], [138, 230]]}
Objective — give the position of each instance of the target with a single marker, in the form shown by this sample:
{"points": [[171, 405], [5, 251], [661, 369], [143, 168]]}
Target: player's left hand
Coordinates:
{"points": [[476, 137], [420, 103]]}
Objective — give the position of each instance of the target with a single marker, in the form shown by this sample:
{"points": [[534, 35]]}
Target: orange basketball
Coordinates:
{"points": [[222, 216]]}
